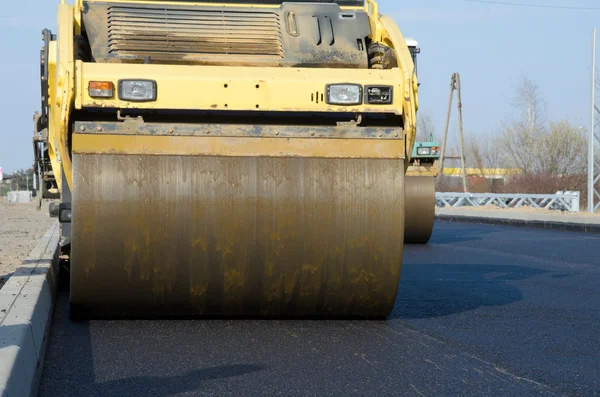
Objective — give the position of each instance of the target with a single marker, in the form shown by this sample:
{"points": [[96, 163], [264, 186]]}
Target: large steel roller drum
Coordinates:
{"points": [[236, 236], [420, 209]]}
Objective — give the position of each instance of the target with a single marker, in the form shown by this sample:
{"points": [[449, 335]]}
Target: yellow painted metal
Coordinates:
{"points": [[424, 170], [393, 36], [372, 8], [421, 171], [62, 92], [237, 146], [52, 65], [235, 88], [52, 137], [232, 88], [485, 172], [78, 10]]}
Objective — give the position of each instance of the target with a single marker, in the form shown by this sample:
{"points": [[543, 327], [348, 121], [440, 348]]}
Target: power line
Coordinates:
{"points": [[507, 3]]}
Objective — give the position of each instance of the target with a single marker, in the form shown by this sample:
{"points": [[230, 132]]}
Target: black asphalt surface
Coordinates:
{"points": [[482, 311]]}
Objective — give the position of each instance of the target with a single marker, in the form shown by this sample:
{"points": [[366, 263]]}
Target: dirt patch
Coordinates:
{"points": [[527, 210], [21, 226]]}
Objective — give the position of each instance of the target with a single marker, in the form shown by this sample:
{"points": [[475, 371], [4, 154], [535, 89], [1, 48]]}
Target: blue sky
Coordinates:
{"points": [[491, 46]]}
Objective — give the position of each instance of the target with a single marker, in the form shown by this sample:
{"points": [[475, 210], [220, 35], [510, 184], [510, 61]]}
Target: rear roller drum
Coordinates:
{"points": [[420, 209]]}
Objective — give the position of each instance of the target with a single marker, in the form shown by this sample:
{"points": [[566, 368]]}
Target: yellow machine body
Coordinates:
{"points": [[429, 169], [239, 190]]}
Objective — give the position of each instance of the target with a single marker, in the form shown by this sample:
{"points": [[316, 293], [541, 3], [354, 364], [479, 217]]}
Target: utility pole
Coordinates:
{"points": [[448, 114], [455, 86], [592, 136]]}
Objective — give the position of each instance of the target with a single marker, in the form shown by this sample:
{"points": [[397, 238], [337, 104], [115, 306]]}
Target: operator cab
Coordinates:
{"points": [[413, 47]]}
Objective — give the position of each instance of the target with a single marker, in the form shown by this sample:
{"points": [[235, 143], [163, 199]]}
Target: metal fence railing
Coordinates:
{"points": [[562, 201]]}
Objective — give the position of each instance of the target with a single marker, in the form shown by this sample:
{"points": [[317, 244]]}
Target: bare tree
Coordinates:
{"points": [[520, 140], [22, 179], [528, 101], [528, 144], [521, 145], [425, 127], [564, 146], [483, 151]]}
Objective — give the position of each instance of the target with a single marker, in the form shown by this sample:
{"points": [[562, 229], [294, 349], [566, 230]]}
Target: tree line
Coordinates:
{"points": [[19, 180], [550, 155]]}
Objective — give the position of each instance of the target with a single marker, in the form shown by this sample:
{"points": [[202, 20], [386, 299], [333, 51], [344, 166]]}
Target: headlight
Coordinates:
{"points": [[423, 151], [344, 94], [137, 90], [379, 95]]}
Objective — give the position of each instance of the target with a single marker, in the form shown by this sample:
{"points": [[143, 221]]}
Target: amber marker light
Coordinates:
{"points": [[101, 89]]}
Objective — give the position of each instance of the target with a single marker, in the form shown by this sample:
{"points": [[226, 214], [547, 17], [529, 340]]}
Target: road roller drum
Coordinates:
{"points": [[227, 236], [420, 209]]}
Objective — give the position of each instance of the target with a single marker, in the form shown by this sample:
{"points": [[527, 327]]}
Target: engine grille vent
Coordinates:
{"points": [[170, 34]]}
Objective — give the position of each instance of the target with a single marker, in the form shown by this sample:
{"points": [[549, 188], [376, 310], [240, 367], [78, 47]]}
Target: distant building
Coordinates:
{"points": [[486, 173]]}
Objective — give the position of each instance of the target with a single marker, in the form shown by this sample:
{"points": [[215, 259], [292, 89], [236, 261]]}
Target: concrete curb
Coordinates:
{"points": [[531, 221], [26, 303]]}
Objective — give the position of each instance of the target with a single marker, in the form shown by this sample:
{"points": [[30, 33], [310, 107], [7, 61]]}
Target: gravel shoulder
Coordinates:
{"points": [[525, 210], [531, 214], [21, 226]]}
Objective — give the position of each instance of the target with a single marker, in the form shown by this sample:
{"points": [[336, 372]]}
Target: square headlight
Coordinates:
{"points": [[379, 95], [137, 90], [423, 151], [344, 94]]}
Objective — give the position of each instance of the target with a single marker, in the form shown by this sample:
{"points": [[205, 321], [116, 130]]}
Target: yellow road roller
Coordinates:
{"points": [[419, 185], [419, 192], [229, 158]]}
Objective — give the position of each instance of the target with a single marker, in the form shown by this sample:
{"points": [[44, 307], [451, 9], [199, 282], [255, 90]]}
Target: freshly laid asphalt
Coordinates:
{"points": [[482, 311]]}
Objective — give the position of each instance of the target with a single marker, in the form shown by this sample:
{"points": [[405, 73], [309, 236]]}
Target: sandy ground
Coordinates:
{"points": [[528, 210], [21, 226]]}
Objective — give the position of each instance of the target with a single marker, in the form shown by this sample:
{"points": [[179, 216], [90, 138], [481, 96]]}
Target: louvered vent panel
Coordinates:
{"points": [[175, 34]]}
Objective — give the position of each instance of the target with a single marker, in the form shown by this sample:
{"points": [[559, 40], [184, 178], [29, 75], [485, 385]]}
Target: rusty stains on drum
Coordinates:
{"points": [[236, 236]]}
